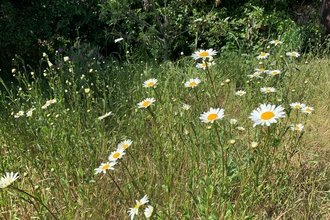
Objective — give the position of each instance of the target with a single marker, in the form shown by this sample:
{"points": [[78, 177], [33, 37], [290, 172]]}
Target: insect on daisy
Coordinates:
{"points": [[212, 115], [105, 166], [262, 55], [117, 154], [204, 54], [134, 211], [150, 83], [276, 42], [267, 114], [146, 103], [240, 93], [125, 144], [297, 127], [8, 179], [293, 54]]}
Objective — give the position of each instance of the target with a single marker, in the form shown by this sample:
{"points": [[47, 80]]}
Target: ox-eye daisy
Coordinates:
{"points": [[105, 166], [51, 101], [240, 93], [261, 70], [293, 54], [255, 75], [233, 121], [125, 144], [267, 114], [146, 103], [297, 105], [263, 55], [134, 211], [150, 83], [275, 42], [204, 64], [273, 72], [8, 179], [117, 154], [307, 109], [192, 83], [267, 89], [204, 54], [297, 127], [185, 107], [19, 114], [212, 115]]}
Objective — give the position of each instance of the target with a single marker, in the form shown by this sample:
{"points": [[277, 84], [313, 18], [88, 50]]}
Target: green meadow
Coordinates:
{"points": [[243, 136]]}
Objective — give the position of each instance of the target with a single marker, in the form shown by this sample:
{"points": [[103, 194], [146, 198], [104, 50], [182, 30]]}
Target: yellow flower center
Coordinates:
{"points": [[267, 90], [308, 109], [276, 41], [204, 64], [212, 117], [116, 155], [150, 84], [146, 103], [297, 127], [107, 166], [192, 84], [274, 72], [255, 74], [125, 146], [297, 106], [263, 54], [293, 54], [204, 54], [261, 69], [267, 115]]}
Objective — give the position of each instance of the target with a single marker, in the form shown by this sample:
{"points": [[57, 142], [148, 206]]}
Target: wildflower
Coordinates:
{"points": [[8, 179], [212, 115], [149, 83], [105, 166], [267, 114], [273, 72], [267, 89], [297, 105], [192, 83], [19, 114], [261, 70], [66, 59], [148, 211], [124, 144], [146, 103], [204, 64], [185, 107], [198, 19], [276, 42], [29, 112], [240, 128], [13, 70], [45, 105], [87, 90], [51, 101], [293, 54], [204, 54], [297, 127], [134, 211], [117, 154], [118, 39], [254, 144], [255, 75], [240, 93], [307, 109], [233, 121], [232, 141], [104, 116], [262, 55]]}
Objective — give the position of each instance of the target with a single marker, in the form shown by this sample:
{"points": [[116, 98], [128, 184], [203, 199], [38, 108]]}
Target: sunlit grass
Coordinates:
{"points": [[187, 142]]}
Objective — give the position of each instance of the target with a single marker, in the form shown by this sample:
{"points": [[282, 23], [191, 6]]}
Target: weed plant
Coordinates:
{"points": [[89, 137]]}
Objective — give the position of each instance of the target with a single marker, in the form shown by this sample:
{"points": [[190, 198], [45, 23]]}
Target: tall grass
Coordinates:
{"points": [[188, 169]]}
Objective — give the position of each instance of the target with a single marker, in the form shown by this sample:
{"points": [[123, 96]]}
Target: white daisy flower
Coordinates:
{"points": [[134, 211], [262, 55], [204, 65], [212, 115], [146, 103], [267, 114], [293, 54], [125, 144], [8, 179], [150, 83], [204, 54], [240, 93], [276, 42], [273, 72], [105, 166], [19, 114], [104, 116], [267, 89], [307, 109], [117, 154], [297, 105], [255, 75], [192, 83], [297, 127], [233, 121], [148, 211]]}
